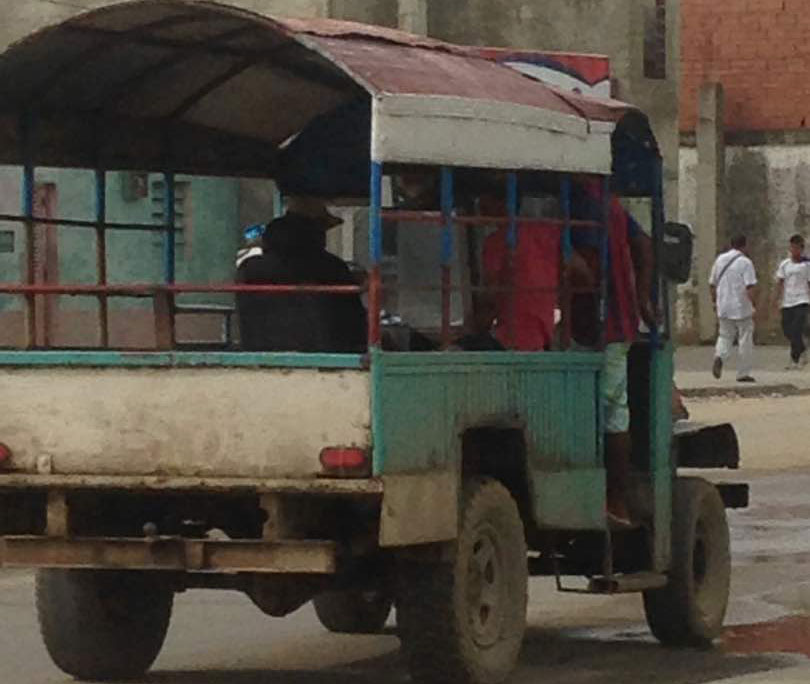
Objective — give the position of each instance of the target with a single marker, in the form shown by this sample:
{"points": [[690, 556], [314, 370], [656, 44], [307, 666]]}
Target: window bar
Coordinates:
{"points": [[28, 188], [101, 254], [604, 261], [278, 202], [446, 251], [375, 254], [567, 254], [512, 243], [164, 301]]}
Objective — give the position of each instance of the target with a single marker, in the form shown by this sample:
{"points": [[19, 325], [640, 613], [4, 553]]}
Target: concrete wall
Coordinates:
{"points": [[612, 27], [768, 201]]}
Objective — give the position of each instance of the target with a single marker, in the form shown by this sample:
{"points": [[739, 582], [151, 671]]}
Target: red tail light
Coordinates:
{"points": [[5, 455], [345, 461]]}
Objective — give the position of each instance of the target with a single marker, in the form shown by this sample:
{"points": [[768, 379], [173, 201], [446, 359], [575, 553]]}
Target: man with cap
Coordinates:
{"points": [[294, 253]]}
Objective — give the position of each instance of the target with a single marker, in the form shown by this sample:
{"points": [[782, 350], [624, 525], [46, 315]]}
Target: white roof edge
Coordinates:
{"points": [[430, 129]]}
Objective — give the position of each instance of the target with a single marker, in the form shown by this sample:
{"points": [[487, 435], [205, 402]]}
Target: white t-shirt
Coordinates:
{"points": [[796, 279], [732, 289]]}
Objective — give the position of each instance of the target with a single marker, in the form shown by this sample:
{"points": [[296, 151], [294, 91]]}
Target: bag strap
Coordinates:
{"points": [[728, 266]]}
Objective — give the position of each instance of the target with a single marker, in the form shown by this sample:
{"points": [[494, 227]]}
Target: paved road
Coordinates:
{"points": [[220, 638]]}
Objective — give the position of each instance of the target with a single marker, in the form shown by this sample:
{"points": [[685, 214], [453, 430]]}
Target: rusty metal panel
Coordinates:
{"points": [[311, 557], [419, 509]]}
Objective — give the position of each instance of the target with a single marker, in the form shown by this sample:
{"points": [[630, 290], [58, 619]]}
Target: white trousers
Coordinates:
{"points": [[743, 331]]}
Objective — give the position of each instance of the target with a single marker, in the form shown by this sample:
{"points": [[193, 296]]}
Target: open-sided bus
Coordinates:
{"points": [[430, 477]]}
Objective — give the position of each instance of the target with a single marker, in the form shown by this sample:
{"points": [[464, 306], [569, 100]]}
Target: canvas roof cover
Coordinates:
{"points": [[206, 88]]}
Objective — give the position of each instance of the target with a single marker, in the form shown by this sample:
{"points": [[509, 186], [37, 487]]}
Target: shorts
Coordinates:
{"points": [[614, 388]]}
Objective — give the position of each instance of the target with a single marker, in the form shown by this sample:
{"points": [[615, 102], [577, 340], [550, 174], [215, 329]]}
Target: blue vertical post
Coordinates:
{"points": [[567, 255], [604, 261], [375, 255], [446, 250], [28, 189], [512, 239], [101, 253], [659, 286]]}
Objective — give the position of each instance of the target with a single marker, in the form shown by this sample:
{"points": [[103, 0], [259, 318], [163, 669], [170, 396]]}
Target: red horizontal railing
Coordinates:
{"points": [[149, 290]]}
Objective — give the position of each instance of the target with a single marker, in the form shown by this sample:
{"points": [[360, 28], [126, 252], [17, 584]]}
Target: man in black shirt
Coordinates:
{"points": [[294, 253]]}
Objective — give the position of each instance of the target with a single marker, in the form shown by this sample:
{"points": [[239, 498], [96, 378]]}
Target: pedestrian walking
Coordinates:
{"points": [[793, 291], [732, 282]]}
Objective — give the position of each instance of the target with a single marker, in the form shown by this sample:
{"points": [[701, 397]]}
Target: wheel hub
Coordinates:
{"points": [[485, 596]]}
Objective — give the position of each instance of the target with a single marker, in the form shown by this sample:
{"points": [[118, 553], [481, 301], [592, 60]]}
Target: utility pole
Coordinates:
{"points": [[413, 16], [711, 196]]}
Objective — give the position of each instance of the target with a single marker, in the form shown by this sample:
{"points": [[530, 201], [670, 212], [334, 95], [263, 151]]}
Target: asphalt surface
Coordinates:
{"points": [[221, 638]]}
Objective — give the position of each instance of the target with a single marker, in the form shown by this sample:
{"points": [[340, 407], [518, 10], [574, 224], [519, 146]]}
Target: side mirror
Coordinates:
{"points": [[676, 252]]}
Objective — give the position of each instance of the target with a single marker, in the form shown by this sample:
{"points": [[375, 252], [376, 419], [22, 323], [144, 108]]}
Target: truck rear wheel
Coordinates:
{"points": [[463, 620], [353, 612], [102, 625], [690, 610]]}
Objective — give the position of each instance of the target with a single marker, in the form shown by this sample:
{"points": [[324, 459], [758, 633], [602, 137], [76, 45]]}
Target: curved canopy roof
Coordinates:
{"points": [[207, 88]]}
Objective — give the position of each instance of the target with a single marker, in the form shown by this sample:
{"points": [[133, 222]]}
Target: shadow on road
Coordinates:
{"points": [[548, 656]]}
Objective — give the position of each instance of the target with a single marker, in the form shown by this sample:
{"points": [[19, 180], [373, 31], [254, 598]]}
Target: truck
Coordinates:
{"points": [[418, 475]]}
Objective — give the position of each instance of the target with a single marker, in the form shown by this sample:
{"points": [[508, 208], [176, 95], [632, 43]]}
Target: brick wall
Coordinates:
{"points": [[759, 50]]}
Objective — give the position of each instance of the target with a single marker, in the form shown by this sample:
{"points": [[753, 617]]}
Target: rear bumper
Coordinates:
{"points": [[230, 485], [174, 554]]}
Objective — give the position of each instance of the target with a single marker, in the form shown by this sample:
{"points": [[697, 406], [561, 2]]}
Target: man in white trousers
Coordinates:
{"points": [[732, 282]]}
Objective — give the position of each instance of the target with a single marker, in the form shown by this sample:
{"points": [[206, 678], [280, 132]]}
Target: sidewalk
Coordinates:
{"points": [[693, 372], [800, 674]]}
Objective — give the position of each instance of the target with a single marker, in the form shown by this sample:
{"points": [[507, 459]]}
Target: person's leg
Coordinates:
{"points": [[798, 331], [793, 327], [787, 329], [726, 330], [745, 331], [618, 445]]}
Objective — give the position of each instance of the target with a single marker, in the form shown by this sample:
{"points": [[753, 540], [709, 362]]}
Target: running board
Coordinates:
{"points": [[618, 584], [627, 584]]}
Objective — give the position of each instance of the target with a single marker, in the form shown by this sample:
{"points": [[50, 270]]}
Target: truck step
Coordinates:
{"points": [[627, 584]]}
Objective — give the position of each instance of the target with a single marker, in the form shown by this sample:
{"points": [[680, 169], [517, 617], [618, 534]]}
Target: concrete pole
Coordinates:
{"points": [[711, 197], [413, 16]]}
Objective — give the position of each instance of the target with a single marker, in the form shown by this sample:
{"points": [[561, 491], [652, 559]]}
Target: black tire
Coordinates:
{"points": [[463, 621], [353, 612], [690, 610], [103, 625]]}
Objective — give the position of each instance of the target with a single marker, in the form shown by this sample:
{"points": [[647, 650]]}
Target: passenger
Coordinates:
{"points": [[628, 298], [294, 253], [520, 292]]}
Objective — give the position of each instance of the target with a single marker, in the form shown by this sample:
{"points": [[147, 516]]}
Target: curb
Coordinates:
{"points": [[747, 392]]}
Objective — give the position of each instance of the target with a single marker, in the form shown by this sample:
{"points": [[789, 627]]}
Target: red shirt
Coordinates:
{"points": [[525, 318]]}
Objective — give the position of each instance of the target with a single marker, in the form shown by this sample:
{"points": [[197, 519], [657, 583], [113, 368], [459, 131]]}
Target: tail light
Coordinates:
{"points": [[5, 455], [345, 462]]}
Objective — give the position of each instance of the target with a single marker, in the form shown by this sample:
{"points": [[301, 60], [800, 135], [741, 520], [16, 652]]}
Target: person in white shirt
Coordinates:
{"points": [[793, 290], [732, 282]]}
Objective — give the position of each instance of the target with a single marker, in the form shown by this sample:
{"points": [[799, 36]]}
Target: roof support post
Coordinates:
{"points": [[28, 189], [566, 255], [375, 255], [512, 238]]}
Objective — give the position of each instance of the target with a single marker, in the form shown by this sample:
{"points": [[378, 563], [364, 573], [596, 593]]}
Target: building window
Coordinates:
{"points": [[655, 41], [182, 196], [6, 241]]}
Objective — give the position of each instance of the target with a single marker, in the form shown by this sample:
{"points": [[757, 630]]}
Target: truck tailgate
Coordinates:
{"points": [[226, 422]]}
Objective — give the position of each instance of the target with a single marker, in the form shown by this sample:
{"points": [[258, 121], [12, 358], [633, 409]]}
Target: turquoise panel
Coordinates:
{"points": [[422, 403], [661, 451]]}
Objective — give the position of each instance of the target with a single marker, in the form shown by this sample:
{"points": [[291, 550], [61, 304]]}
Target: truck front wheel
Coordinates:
{"points": [[103, 625], [690, 610], [353, 612], [463, 620]]}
